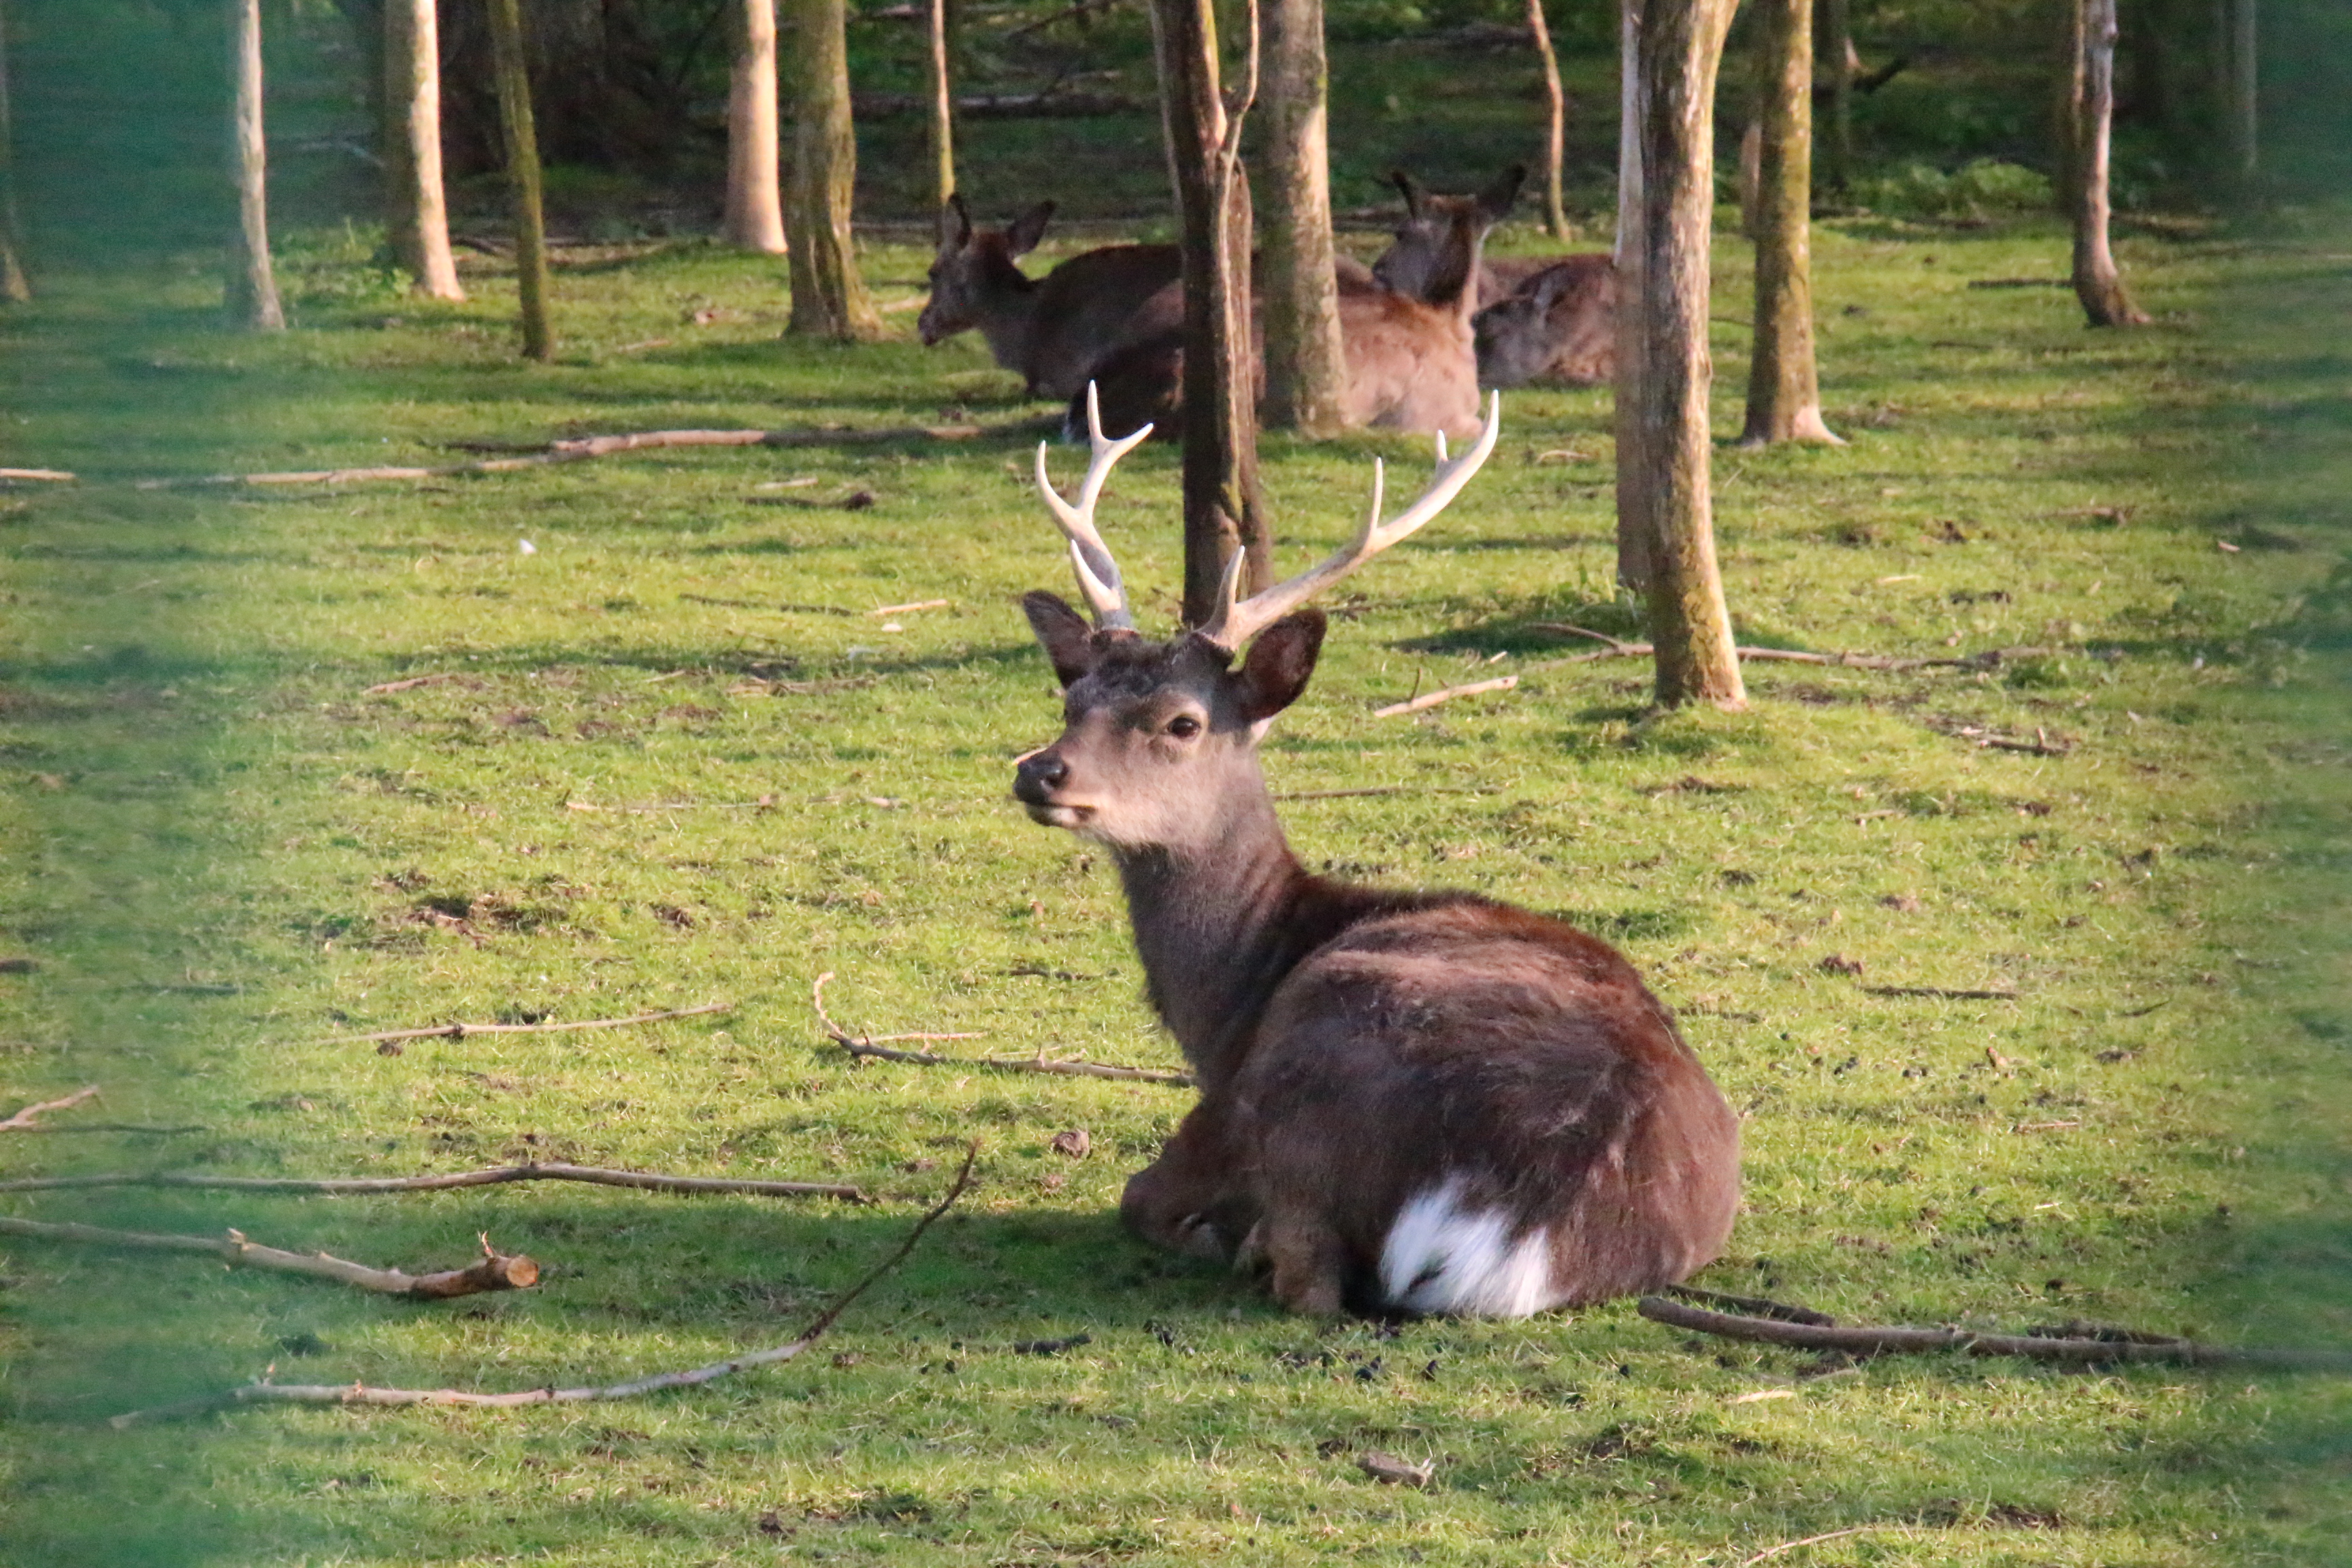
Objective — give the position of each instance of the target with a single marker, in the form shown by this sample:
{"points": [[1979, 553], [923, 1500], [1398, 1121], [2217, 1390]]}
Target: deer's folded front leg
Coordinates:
{"points": [[1190, 1200]]}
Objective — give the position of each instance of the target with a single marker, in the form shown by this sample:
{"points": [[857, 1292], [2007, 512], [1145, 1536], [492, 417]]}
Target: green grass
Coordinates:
{"points": [[224, 851]]}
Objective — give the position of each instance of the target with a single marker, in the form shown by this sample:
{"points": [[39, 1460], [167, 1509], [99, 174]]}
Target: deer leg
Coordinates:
{"points": [[1309, 1263], [1187, 1200]]}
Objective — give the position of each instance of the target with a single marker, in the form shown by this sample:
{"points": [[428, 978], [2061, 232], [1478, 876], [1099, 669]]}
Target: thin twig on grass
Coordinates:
{"points": [[1947, 993], [38, 475], [1432, 698], [864, 1045], [910, 608], [642, 1180], [360, 1394], [1384, 789], [1771, 1551], [459, 1031], [410, 684], [32, 1113], [1866, 1339], [494, 1270], [1752, 1306], [147, 1128], [1618, 647]]}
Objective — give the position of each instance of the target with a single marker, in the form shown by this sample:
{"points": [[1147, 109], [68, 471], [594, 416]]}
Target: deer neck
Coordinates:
{"points": [[1217, 926], [1008, 316]]}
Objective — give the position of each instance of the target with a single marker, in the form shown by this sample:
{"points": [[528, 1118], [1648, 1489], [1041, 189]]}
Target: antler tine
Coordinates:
{"points": [[1091, 558], [1237, 620]]}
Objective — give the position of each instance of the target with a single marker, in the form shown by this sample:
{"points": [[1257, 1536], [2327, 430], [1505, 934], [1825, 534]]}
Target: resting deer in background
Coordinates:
{"points": [[1050, 331], [1417, 1101]]}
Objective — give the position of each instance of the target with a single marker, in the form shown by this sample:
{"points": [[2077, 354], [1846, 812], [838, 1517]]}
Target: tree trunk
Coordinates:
{"points": [[2245, 77], [943, 105], [1837, 23], [1632, 308], [1784, 399], [2097, 284], [2066, 109], [1555, 122], [1306, 362], [411, 147], [1680, 48], [509, 63], [15, 288], [1223, 510], [829, 297], [754, 218], [252, 297]]}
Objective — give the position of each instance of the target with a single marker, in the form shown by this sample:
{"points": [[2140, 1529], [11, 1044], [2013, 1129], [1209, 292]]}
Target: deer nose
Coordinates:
{"points": [[1037, 777]]}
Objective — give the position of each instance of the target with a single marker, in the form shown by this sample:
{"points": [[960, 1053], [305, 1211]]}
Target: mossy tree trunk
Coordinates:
{"points": [[252, 294], [1555, 122], [754, 218], [2098, 283], [1678, 49], [414, 196], [935, 13], [1224, 512], [16, 288], [829, 297], [1306, 362], [511, 67], [1784, 399], [1632, 534]]}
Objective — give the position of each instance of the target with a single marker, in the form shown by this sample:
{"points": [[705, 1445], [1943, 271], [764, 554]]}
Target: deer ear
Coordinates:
{"points": [[1277, 665], [955, 223], [1020, 237], [1063, 633], [1410, 189], [1495, 202]]}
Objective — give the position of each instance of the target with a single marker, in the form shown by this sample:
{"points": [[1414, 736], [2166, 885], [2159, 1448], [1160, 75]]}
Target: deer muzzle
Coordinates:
{"points": [[1037, 783]]}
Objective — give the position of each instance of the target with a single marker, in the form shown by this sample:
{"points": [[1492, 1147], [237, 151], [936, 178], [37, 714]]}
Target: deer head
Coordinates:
{"points": [[974, 268], [1433, 255], [1162, 741]]}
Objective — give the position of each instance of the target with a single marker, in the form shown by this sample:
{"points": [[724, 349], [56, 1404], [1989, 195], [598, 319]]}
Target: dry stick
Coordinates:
{"points": [[1946, 992], [863, 1046], [1619, 648], [643, 1180], [459, 1031], [360, 1394], [40, 475], [32, 1113], [493, 1271], [1432, 698], [1863, 1340], [1771, 1551], [578, 448]]}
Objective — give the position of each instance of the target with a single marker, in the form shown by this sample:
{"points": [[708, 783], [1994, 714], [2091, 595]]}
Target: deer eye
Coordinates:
{"points": [[1183, 726]]}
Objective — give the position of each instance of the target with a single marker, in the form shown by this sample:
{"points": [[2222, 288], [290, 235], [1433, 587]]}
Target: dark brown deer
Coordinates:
{"points": [[1561, 326], [1409, 1101], [1417, 252], [1412, 363], [1051, 331]]}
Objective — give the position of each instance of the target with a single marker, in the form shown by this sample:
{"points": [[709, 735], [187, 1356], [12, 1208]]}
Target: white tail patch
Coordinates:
{"points": [[1443, 1257]]}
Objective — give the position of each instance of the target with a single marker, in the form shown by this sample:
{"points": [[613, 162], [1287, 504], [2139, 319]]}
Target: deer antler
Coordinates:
{"points": [[1098, 577], [1237, 620]]}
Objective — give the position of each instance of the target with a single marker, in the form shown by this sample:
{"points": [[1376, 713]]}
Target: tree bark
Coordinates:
{"points": [[754, 218], [1223, 510], [1679, 49], [942, 105], [522, 177], [411, 147], [1633, 307], [2066, 111], [829, 297], [2097, 284], [1784, 399], [1837, 22], [1555, 122], [15, 288], [1305, 360], [252, 296]]}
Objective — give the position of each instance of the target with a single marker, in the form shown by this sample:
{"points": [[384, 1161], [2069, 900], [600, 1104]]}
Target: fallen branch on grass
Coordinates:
{"points": [[38, 476], [360, 1394], [1772, 1551], [494, 1270], [2039, 744], [1861, 1340], [1432, 698], [32, 1113], [459, 1031], [863, 1046], [578, 448], [1950, 994], [642, 1180], [1618, 647]]}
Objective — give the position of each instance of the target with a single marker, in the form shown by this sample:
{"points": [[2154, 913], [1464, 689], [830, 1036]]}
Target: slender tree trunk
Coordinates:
{"points": [[1555, 122], [1751, 175], [754, 218], [1306, 362], [829, 297], [1836, 21], [252, 287], [2072, 93], [1633, 310], [15, 288], [411, 147], [512, 70], [2097, 284], [1784, 399], [1222, 509], [1681, 50], [942, 105]]}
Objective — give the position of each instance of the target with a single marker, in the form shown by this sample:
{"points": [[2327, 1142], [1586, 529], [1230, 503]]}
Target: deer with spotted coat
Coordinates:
{"points": [[1409, 1101]]}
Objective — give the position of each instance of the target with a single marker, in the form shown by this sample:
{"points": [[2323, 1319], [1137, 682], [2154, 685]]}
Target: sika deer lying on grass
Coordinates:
{"points": [[1419, 1101]]}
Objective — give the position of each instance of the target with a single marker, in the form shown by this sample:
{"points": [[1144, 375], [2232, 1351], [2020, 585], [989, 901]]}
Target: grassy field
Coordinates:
{"points": [[668, 756]]}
